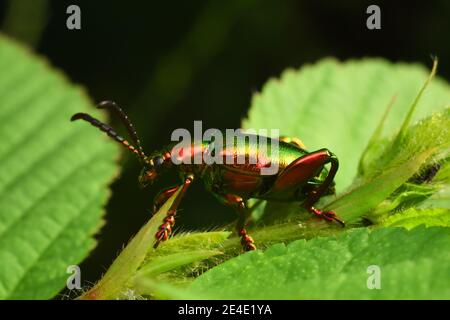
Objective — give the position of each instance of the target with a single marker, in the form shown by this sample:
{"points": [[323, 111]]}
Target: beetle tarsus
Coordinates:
{"points": [[339, 220], [247, 241], [327, 215], [165, 230]]}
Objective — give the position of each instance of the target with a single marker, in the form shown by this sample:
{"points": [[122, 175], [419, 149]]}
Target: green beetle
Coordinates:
{"points": [[301, 175]]}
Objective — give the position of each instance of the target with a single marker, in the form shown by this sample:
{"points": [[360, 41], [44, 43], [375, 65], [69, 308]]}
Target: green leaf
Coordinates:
{"points": [[337, 268], [362, 199], [431, 133], [169, 262], [406, 196], [139, 261], [114, 282], [189, 241], [180, 258], [53, 176], [412, 218], [440, 199], [338, 105]]}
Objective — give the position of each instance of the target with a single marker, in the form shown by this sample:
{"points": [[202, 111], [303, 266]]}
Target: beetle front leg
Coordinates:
{"points": [[163, 196], [169, 221], [236, 202]]}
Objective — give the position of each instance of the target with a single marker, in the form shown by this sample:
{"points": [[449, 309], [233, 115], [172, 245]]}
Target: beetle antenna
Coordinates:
{"points": [[110, 132], [125, 120]]}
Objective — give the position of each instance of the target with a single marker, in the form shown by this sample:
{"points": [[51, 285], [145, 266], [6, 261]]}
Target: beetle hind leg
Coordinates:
{"points": [[300, 172], [326, 215], [313, 196]]}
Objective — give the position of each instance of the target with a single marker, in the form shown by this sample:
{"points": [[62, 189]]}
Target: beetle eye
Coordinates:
{"points": [[158, 161]]}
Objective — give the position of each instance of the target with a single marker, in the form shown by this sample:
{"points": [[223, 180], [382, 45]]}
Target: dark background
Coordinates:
{"points": [[170, 63]]}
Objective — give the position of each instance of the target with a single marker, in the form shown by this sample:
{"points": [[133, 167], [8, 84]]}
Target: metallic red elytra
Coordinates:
{"points": [[301, 175]]}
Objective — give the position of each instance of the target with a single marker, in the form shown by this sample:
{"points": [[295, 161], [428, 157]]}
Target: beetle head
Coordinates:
{"points": [[151, 170]]}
